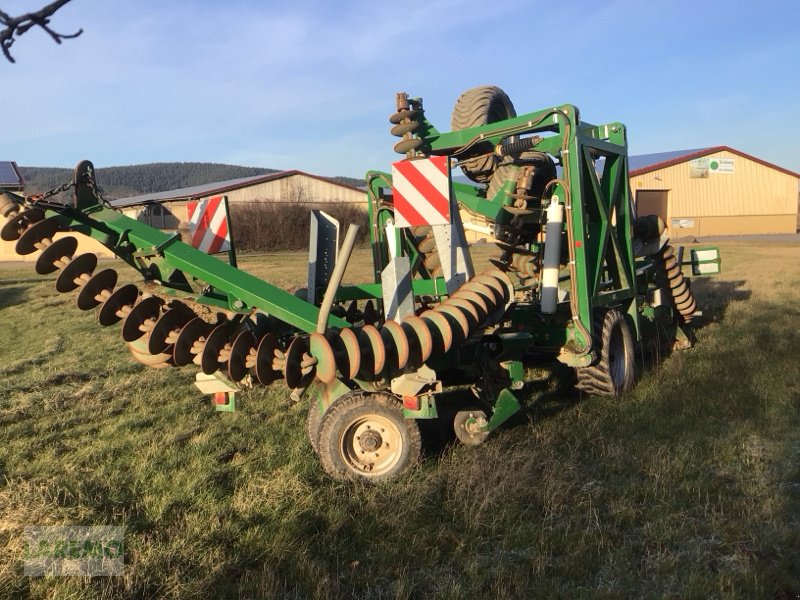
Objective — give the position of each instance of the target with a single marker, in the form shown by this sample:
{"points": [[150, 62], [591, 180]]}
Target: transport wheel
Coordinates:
{"points": [[467, 425], [613, 372], [480, 106], [313, 425], [366, 436]]}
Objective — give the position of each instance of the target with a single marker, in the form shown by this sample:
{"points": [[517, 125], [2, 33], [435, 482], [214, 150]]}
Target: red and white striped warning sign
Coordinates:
{"points": [[421, 191], [208, 224]]}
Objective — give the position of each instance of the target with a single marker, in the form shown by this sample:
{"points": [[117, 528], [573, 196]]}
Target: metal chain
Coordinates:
{"points": [[54, 192], [92, 183]]}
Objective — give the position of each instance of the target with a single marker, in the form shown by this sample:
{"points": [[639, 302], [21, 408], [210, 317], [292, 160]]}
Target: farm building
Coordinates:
{"points": [[715, 191], [167, 210]]}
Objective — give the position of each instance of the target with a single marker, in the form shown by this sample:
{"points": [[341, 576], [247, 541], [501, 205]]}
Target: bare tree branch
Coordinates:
{"points": [[16, 26]]}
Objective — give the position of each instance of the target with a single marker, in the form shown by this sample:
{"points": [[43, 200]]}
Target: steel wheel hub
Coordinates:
{"points": [[372, 444]]}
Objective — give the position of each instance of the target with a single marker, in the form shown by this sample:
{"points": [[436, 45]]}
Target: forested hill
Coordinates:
{"points": [[120, 182]]}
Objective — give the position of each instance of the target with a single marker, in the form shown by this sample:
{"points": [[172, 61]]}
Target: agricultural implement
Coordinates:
{"points": [[579, 279]]}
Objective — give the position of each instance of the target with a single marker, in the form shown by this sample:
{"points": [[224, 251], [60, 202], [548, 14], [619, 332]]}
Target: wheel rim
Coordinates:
{"points": [[371, 445], [616, 358]]}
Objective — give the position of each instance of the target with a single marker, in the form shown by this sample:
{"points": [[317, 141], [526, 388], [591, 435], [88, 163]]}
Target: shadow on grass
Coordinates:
{"points": [[714, 297], [9, 296]]}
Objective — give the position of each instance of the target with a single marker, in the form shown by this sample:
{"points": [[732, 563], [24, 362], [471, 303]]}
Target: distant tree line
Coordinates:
{"points": [[121, 182]]}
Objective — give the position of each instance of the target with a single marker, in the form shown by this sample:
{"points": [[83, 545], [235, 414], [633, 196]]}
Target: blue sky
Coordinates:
{"points": [[309, 85]]}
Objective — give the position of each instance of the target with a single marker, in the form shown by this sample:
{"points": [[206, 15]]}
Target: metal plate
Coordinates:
{"points": [[396, 343], [82, 264], [264, 357], [373, 352], [36, 234], [171, 322], [59, 250], [19, 222], [102, 281], [347, 352], [424, 339], [219, 336], [122, 296], [240, 349], [440, 329], [320, 348], [194, 330], [147, 310]]}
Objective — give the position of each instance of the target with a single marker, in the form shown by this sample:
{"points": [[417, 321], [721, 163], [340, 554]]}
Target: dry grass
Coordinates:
{"points": [[688, 487]]}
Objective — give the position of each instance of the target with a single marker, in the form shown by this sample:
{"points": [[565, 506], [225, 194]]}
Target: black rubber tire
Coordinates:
{"points": [[614, 371], [479, 106], [343, 453], [313, 425]]}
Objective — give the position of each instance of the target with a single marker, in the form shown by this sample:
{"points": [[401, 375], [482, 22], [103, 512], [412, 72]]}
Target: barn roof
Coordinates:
{"points": [[217, 187], [646, 163], [10, 177]]}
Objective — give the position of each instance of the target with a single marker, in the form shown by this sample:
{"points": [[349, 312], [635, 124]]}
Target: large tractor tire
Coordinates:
{"points": [[365, 436], [480, 106], [613, 372]]}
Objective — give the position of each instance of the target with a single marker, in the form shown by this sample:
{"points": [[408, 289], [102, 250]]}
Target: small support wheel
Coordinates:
{"points": [[613, 373], [467, 426], [366, 436]]}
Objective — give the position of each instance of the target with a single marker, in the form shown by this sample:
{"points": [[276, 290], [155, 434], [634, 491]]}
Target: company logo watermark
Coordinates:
{"points": [[94, 551]]}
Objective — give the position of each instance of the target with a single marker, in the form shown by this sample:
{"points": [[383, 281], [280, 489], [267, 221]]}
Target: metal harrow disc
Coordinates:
{"points": [[14, 227], [141, 318], [494, 285], [76, 272], [265, 356], [166, 330], [113, 309], [320, 348], [298, 370], [373, 352], [422, 345], [458, 322], [139, 352], [440, 329], [468, 309], [371, 314], [195, 330], [215, 342], [8, 204], [242, 349], [396, 343], [347, 352], [490, 298], [97, 289], [34, 236], [60, 251]]}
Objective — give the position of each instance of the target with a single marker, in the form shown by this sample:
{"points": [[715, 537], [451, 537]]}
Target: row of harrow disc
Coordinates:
{"points": [[162, 333]]}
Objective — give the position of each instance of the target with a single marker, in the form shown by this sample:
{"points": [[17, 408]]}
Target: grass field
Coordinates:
{"points": [[687, 487]]}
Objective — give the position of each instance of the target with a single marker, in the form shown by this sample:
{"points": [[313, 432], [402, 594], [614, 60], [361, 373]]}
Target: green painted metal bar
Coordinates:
{"points": [[108, 226]]}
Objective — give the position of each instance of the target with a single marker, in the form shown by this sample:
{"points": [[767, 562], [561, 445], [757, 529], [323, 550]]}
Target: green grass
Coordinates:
{"points": [[687, 487]]}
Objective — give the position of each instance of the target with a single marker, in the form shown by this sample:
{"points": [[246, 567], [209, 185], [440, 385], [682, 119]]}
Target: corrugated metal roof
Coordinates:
{"points": [[643, 161], [198, 191]]}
